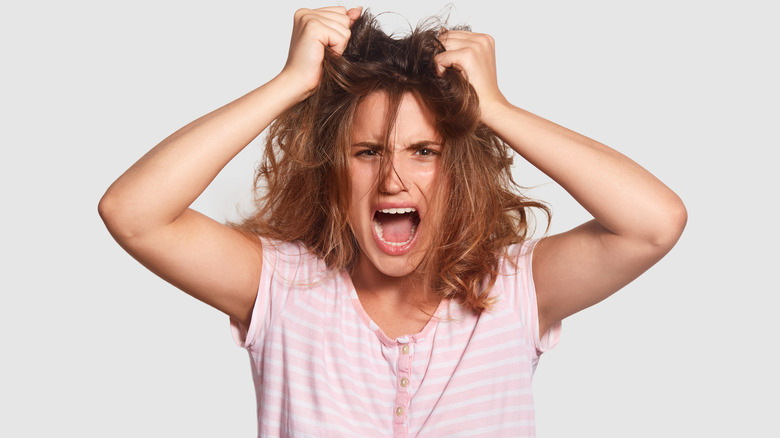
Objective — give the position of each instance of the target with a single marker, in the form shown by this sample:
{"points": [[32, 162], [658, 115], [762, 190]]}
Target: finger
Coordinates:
{"points": [[458, 33], [445, 60], [333, 17], [341, 23], [340, 9], [339, 44], [314, 22], [446, 34], [334, 37], [354, 14], [464, 37], [455, 42], [337, 25]]}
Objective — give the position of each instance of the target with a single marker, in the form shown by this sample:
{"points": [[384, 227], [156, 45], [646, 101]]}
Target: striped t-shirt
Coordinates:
{"points": [[322, 368]]}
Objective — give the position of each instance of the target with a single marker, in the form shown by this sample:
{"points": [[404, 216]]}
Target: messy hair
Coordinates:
{"points": [[303, 181]]}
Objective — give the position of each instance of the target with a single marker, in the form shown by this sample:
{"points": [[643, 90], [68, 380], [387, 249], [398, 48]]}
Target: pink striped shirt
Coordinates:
{"points": [[322, 368]]}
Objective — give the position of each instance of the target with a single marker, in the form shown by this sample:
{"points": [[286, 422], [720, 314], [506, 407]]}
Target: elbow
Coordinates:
{"points": [[115, 215], [105, 207], [670, 225], [108, 211]]}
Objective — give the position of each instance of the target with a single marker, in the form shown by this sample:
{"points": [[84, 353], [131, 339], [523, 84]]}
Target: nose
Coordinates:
{"points": [[390, 179]]}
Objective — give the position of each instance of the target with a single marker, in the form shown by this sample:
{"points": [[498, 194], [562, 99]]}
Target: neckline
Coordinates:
{"points": [[371, 325]]}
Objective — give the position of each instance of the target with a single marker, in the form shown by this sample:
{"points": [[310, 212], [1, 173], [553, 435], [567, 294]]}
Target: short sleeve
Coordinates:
{"points": [[544, 341], [261, 312]]}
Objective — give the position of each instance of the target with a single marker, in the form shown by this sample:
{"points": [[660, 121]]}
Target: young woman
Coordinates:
{"points": [[386, 284]]}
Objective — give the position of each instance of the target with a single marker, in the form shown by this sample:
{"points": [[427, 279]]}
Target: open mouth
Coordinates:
{"points": [[396, 227]]}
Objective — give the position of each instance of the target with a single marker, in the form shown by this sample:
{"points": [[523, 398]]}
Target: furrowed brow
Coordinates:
{"points": [[368, 144], [425, 144]]}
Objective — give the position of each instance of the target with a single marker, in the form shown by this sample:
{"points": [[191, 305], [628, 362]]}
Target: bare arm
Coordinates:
{"points": [[147, 208], [637, 219]]}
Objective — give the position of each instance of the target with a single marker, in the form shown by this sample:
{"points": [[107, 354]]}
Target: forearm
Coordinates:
{"points": [[160, 186], [623, 197]]}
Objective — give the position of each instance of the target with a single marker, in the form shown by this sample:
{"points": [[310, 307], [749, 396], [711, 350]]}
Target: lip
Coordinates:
{"points": [[392, 249], [383, 205]]}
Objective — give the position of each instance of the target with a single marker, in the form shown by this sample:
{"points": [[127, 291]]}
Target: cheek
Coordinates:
{"points": [[360, 187], [361, 179], [427, 178]]}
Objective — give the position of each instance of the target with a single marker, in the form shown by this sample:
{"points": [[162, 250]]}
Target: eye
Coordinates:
{"points": [[426, 152], [367, 153]]}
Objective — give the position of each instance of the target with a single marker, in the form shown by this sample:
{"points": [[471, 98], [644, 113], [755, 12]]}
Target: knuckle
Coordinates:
{"points": [[300, 13], [485, 39], [308, 20]]}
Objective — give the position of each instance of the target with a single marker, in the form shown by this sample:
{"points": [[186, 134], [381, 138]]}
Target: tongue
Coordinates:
{"points": [[395, 227]]}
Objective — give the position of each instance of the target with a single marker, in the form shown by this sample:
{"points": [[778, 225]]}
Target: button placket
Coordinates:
{"points": [[404, 368]]}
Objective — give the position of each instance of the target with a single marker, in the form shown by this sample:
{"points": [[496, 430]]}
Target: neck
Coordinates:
{"points": [[370, 281]]}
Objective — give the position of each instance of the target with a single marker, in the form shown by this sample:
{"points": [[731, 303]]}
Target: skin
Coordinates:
{"points": [[208, 260], [636, 218], [384, 280]]}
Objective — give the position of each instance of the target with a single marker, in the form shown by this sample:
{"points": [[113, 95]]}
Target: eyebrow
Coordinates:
{"points": [[424, 143], [416, 145], [367, 144]]}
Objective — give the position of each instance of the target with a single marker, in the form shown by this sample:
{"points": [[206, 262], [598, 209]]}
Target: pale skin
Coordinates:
{"points": [[637, 219], [382, 281]]}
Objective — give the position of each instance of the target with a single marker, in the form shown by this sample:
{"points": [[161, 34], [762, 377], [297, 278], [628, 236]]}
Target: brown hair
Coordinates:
{"points": [[305, 172]]}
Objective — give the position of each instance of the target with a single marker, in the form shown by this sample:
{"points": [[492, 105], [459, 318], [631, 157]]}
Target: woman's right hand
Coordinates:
{"points": [[147, 208], [314, 31]]}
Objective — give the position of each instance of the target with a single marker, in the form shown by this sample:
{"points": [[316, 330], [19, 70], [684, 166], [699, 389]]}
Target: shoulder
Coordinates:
{"points": [[516, 286], [514, 279], [283, 252], [292, 261], [516, 259]]}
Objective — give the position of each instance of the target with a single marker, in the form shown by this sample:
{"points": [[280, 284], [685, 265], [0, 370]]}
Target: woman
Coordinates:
{"points": [[386, 283]]}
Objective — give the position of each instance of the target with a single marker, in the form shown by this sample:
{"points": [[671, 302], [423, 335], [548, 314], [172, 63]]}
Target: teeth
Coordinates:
{"points": [[380, 233], [398, 210]]}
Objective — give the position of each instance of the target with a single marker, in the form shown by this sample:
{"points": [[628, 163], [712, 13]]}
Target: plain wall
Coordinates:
{"points": [[93, 345]]}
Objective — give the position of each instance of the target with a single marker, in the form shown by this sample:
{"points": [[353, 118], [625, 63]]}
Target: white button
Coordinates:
{"points": [[405, 349], [399, 411], [404, 382]]}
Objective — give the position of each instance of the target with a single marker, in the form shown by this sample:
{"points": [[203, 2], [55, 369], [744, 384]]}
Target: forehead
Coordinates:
{"points": [[373, 115]]}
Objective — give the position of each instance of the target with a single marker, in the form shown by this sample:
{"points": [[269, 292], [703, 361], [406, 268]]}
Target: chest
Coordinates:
{"points": [[398, 320], [338, 374]]}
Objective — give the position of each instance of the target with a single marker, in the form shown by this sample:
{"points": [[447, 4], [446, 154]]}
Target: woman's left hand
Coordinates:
{"points": [[637, 219], [474, 54]]}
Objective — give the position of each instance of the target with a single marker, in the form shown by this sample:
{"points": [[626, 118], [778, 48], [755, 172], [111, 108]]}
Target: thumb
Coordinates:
{"points": [[354, 14], [445, 60]]}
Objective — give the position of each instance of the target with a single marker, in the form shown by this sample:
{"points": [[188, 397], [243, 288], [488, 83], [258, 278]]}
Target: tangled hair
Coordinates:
{"points": [[305, 171]]}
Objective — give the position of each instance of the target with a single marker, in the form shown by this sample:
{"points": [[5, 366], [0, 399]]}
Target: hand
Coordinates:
{"points": [[474, 54], [313, 32]]}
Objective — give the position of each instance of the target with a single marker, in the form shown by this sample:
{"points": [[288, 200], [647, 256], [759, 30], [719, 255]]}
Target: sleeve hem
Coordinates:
{"points": [[244, 336], [546, 341]]}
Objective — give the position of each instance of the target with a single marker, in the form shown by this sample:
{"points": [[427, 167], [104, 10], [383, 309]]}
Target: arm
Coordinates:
{"points": [[147, 208], [637, 219]]}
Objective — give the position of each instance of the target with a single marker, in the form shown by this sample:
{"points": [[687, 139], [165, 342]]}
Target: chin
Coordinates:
{"points": [[395, 268]]}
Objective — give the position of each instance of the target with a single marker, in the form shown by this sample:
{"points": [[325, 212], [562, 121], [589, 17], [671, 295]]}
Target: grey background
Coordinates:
{"points": [[93, 345]]}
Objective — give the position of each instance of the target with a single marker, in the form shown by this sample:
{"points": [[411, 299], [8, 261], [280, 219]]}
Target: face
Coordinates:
{"points": [[392, 186]]}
